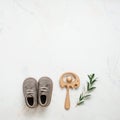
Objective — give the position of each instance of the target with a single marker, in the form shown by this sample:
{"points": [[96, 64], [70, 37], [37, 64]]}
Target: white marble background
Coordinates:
{"points": [[49, 37]]}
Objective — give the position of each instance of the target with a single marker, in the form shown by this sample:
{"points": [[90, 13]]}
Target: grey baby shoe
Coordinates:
{"points": [[45, 86], [30, 87]]}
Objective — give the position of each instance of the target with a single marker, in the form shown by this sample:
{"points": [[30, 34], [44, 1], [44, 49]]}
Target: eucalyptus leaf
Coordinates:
{"points": [[88, 85], [90, 89], [81, 97], [89, 76], [79, 103], [92, 76], [93, 81], [84, 95]]}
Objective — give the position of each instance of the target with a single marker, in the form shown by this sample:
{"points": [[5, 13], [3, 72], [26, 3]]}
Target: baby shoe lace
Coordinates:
{"points": [[30, 91], [43, 89]]}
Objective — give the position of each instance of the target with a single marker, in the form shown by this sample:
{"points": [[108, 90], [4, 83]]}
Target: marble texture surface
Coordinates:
{"points": [[49, 37]]}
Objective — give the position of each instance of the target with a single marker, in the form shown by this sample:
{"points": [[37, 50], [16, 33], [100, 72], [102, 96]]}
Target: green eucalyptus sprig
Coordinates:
{"points": [[86, 93]]}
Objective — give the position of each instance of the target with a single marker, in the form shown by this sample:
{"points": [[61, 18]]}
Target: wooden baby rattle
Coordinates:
{"points": [[69, 80]]}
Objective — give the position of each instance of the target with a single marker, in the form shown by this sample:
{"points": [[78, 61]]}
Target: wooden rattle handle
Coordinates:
{"points": [[67, 100]]}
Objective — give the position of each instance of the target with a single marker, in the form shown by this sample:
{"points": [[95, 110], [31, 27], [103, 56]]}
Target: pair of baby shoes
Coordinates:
{"points": [[37, 92]]}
